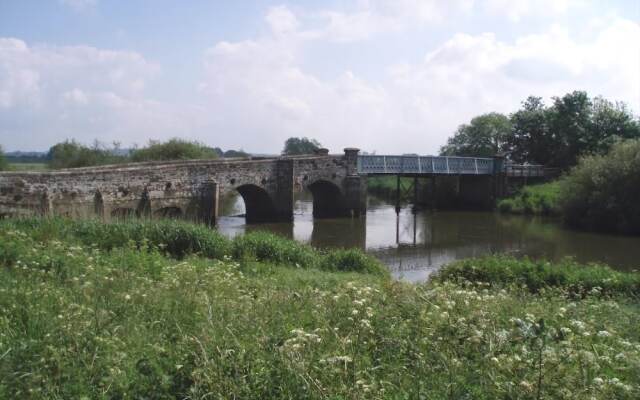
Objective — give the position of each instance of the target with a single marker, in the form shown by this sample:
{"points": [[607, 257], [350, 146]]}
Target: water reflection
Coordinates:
{"points": [[414, 245]]}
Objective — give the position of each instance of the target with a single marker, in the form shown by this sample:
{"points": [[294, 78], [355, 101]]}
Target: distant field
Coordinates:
{"points": [[28, 167]]}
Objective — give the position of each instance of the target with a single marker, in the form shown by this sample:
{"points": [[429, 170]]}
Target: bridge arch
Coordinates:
{"points": [[258, 204], [328, 199]]}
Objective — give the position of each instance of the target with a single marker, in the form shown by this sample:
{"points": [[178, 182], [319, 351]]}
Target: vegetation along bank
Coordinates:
{"points": [[159, 310]]}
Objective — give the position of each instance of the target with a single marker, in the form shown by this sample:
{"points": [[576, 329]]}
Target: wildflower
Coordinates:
{"points": [[604, 334], [598, 381]]}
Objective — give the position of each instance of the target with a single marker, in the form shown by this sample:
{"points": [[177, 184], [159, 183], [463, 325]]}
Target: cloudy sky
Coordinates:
{"points": [[390, 76]]}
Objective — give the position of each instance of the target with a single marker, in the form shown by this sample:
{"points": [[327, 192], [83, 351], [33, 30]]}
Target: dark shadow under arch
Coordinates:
{"points": [[168, 212], [328, 201], [258, 204]]}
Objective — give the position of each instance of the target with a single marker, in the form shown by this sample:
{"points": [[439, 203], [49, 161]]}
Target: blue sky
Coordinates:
{"points": [[390, 76]]}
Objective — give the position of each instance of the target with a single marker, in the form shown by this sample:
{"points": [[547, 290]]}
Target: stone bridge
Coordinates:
{"points": [[190, 189]]}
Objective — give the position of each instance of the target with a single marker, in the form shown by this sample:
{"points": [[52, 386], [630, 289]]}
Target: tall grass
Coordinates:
{"points": [[537, 275], [180, 239], [80, 321]]}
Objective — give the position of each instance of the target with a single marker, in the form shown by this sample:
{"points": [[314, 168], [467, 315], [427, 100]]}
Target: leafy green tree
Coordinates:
{"points": [[530, 139], [4, 165], [484, 136], [174, 149], [294, 146], [611, 122]]}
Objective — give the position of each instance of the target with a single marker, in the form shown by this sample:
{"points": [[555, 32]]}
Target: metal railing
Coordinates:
{"points": [[373, 164], [418, 165]]}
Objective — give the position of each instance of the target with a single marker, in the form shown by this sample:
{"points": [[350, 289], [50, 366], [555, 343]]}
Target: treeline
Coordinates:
{"points": [[72, 154], [554, 135]]}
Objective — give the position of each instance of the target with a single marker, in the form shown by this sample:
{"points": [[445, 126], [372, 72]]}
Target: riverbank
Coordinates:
{"points": [[124, 310]]}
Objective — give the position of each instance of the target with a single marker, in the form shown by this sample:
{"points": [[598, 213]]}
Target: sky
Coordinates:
{"points": [[386, 76]]}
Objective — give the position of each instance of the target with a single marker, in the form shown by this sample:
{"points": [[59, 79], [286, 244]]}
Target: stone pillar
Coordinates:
{"points": [[351, 158], [355, 186], [283, 197], [355, 189], [208, 207]]}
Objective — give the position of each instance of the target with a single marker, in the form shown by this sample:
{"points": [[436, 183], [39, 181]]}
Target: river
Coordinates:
{"points": [[415, 245]]}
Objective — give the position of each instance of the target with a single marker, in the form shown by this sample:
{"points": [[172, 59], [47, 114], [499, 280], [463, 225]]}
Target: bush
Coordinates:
{"points": [[263, 246], [174, 149], [603, 192], [576, 278], [352, 260], [540, 199], [71, 154]]}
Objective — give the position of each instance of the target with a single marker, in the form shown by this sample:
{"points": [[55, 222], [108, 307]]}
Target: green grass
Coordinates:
{"points": [[180, 239], [536, 275], [93, 313], [540, 199], [28, 167]]}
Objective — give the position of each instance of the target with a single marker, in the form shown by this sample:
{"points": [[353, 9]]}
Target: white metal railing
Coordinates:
{"points": [[374, 164]]}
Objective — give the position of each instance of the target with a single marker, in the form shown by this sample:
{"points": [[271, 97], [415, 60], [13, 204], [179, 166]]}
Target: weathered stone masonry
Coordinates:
{"points": [[189, 189]]}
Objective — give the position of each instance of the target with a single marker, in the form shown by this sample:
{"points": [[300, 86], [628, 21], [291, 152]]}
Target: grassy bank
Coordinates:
{"points": [[540, 199], [136, 311]]}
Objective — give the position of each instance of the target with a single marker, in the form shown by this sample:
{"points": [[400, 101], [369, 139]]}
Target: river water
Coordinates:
{"points": [[415, 245]]}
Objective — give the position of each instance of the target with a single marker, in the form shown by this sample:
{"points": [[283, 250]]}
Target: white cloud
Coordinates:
{"points": [[49, 93], [256, 93], [516, 10], [281, 20], [261, 88]]}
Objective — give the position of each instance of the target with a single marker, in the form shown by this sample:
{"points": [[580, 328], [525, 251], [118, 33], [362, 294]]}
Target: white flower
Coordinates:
{"points": [[604, 334]]}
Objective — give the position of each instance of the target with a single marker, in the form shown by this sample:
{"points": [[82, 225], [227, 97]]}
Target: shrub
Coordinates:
{"points": [[71, 154], [535, 275], [352, 260], [174, 149], [542, 199], [603, 192], [263, 246]]}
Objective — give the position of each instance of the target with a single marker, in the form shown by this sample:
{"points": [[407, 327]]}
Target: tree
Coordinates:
{"points": [[611, 122], [302, 145], [484, 136], [71, 154], [174, 149], [530, 139], [4, 165]]}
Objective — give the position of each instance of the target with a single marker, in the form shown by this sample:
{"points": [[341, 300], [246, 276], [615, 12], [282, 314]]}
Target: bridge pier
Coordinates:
{"points": [[354, 185]]}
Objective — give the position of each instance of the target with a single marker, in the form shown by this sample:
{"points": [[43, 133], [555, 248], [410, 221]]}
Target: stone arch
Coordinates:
{"points": [[168, 212], [328, 200], [123, 213], [259, 206]]}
